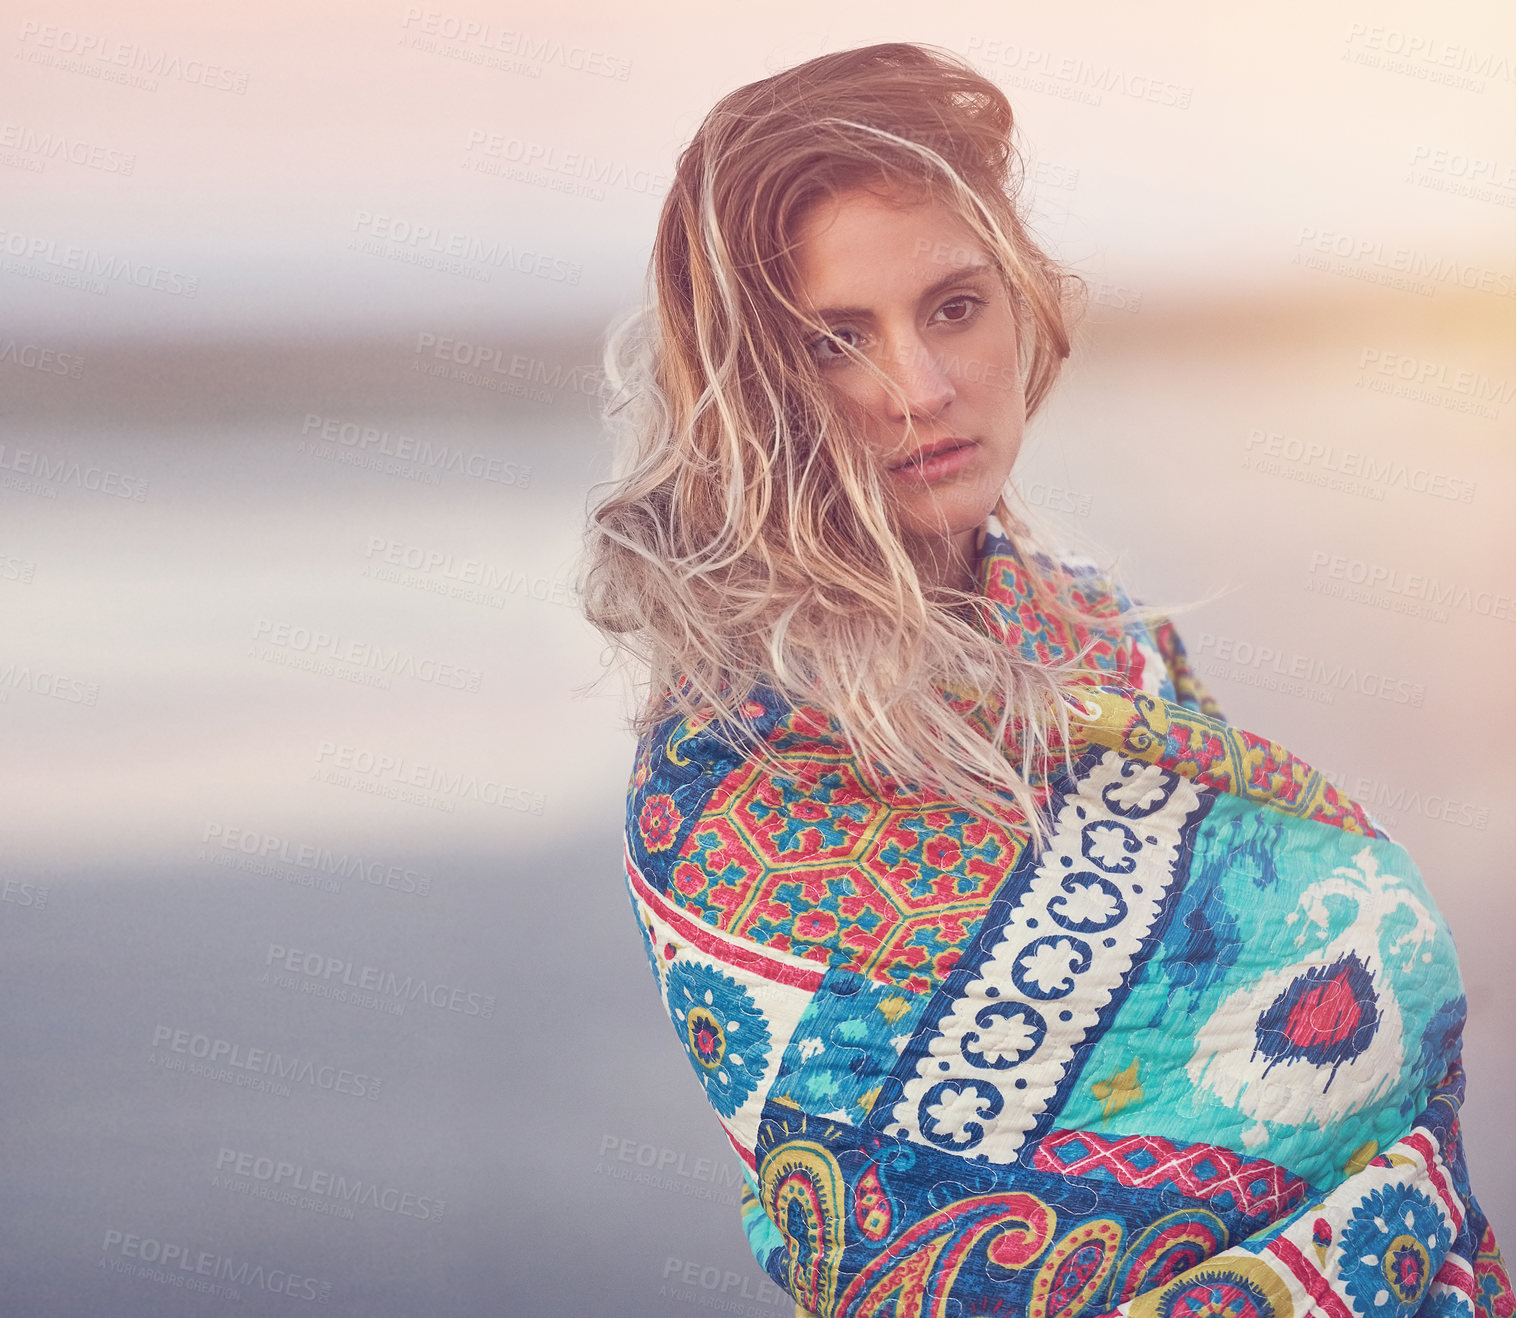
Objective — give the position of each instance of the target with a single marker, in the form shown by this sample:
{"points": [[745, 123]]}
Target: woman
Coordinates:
{"points": [[1017, 978]]}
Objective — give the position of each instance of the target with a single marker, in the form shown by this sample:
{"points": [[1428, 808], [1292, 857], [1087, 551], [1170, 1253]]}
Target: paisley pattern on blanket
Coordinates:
{"points": [[1198, 1056]]}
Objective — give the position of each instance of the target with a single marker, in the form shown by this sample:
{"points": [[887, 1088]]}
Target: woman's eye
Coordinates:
{"points": [[831, 340], [970, 307]]}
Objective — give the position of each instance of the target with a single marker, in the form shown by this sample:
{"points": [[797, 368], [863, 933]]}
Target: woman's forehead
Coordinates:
{"points": [[859, 242]]}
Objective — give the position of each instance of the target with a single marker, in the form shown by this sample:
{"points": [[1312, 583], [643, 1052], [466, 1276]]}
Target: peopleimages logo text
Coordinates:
{"points": [[374, 979], [61, 470], [224, 1053], [190, 1265], [279, 1174]]}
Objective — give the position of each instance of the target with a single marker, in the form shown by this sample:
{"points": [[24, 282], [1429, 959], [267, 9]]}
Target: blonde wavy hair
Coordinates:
{"points": [[746, 539]]}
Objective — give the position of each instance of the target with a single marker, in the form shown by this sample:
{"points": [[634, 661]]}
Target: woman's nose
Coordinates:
{"points": [[920, 376]]}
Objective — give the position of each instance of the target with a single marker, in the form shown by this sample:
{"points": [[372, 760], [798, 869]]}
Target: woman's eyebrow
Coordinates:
{"points": [[952, 277]]}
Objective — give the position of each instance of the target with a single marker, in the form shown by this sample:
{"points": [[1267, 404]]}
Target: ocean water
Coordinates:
{"points": [[308, 775]]}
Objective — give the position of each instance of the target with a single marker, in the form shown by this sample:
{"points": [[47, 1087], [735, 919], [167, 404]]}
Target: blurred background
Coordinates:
{"points": [[300, 320]]}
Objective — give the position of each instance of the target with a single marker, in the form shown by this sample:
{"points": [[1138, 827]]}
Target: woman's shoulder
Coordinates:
{"points": [[1129, 650], [684, 760]]}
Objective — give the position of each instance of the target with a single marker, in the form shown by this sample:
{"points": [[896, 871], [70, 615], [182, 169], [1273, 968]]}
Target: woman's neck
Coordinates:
{"points": [[948, 562]]}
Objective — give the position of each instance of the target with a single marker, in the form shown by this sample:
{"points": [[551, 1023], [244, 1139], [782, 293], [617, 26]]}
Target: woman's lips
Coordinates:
{"points": [[947, 459]]}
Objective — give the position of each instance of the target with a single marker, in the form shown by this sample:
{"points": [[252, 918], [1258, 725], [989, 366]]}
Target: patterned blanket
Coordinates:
{"points": [[1201, 1056]]}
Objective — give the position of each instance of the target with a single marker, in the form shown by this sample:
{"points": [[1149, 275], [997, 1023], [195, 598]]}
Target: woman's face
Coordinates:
{"points": [[914, 291]]}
